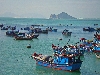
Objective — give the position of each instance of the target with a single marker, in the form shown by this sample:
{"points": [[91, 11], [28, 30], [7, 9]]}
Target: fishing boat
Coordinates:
{"points": [[66, 32], [23, 36], [51, 29], [37, 29], [90, 29], [12, 33], [4, 28], [58, 62], [70, 49]]}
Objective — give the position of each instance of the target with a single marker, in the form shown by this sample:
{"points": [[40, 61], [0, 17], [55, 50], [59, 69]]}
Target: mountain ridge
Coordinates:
{"points": [[62, 15]]}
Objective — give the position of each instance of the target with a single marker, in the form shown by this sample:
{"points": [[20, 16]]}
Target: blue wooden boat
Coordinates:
{"points": [[4, 28], [90, 29], [58, 62], [12, 33]]}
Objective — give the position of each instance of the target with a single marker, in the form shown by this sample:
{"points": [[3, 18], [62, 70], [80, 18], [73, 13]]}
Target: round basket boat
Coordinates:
{"points": [[29, 46]]}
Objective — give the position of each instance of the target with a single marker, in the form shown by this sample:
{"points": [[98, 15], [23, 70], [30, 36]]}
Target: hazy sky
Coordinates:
{"points": [[43, 8]]}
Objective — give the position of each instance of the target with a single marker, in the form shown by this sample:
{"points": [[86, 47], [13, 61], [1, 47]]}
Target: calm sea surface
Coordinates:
{"points": [[15, 57]]}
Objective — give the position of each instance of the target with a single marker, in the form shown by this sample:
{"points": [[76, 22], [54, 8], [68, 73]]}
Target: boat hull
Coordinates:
{"points": [[19, 38], [28, 46], [71, 67]]}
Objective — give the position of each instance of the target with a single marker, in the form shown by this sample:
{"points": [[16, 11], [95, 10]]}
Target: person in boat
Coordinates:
{"points": [[65, 47], [35, 54], [48, 59], [63, 52], [50, 28]]}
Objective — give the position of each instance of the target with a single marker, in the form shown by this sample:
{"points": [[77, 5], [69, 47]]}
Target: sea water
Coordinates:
{"points": [[15, 57]]}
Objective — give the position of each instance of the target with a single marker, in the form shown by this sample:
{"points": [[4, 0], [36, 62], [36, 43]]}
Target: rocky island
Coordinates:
{"points": [[62, 15]]}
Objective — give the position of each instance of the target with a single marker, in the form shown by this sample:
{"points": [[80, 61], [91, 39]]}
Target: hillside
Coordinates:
{"points": [[62, 15]]}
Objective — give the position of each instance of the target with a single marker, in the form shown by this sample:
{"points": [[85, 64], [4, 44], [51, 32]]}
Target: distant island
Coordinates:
{"points": [[62, 15]]}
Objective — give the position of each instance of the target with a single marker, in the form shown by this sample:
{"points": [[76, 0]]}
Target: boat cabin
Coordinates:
{"points": [[64, 60]]}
